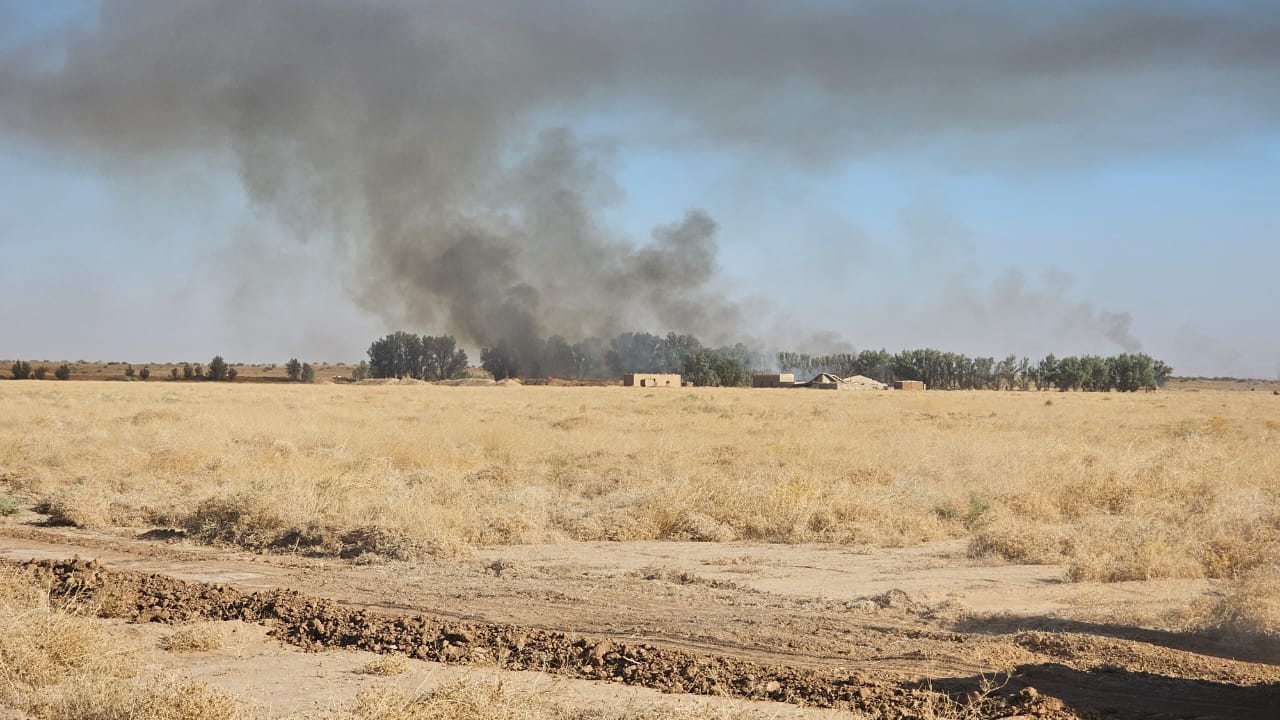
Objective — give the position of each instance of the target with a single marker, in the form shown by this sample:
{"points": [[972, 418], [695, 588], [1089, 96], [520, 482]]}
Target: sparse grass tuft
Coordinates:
{"points": [[385, 665]]}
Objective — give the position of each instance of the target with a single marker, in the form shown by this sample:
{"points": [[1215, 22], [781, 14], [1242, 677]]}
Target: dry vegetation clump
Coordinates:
{"points": [[1115, 486], [475, 700], [247, 521], [57, 663], [200, 637], [41, 646], [1249, 609]]}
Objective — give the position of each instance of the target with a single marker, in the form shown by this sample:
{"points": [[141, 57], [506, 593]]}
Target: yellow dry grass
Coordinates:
{"points": [[57, 663], [1172, 484]]}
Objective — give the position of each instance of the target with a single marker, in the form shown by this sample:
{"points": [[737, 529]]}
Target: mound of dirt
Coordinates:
{"points": [[862, 382], [468, 382], [389, 381], [316, 623]]}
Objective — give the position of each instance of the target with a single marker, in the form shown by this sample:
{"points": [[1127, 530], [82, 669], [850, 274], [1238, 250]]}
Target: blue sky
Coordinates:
{"points": [[1124, 200]]}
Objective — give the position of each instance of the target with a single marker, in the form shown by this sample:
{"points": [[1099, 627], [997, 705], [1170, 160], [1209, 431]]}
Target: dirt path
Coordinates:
{"points": [[814, 625]]}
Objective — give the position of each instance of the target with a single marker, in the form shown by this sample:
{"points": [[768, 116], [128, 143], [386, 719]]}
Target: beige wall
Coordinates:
{"points": [[650, 380]]}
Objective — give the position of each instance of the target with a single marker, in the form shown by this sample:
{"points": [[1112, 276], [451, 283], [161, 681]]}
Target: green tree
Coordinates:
{"points": [[730, 370], [293, 369], [40, 372], [129, 371], [21, 370], [1047, 372], [1070, 374], [188, 372], [217, 368], [500, 360], [144, 373], [63, 372], [231, 373], [699, 368], [308, 373], [173, 373], [397, 355], [442, 359]]}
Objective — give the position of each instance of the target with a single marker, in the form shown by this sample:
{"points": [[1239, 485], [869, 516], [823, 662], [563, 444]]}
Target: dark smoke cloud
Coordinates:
{"points": [[412, 140]]}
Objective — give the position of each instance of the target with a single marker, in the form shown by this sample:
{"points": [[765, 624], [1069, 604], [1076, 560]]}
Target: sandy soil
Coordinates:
{"points": [[816, 625]]}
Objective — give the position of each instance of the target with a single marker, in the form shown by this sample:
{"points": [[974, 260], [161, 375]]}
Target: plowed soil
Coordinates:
{"points": [[878, 633]]}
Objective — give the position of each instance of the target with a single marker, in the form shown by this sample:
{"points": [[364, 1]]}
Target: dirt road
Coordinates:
{"points": [[810, 625]]}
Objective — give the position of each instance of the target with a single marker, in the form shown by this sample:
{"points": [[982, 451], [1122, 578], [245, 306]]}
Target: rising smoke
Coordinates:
{"points": [[426, 143]]}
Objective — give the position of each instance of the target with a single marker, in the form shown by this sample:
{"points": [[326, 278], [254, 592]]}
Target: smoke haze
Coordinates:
{"points": [[430, 148]]}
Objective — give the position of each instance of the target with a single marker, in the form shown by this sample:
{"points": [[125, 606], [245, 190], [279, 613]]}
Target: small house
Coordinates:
{"points": [[772, 380], [652, 380]]}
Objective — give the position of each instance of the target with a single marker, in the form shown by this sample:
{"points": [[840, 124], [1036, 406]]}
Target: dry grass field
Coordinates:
{"points": [[1120, 486], [1180, 485]]}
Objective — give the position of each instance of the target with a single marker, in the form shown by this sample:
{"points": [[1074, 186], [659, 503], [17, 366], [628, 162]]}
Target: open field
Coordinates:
{"points": [[890, 544]]}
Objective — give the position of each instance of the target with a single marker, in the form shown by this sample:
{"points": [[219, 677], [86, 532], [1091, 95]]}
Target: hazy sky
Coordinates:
{"points": [[265, 180]]}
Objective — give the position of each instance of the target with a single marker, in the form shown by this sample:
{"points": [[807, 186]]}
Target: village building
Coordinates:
{"points": [[651, 380], [772, 380]]}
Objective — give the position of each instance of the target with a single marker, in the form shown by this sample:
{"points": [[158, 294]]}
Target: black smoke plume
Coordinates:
{"points": [[423, 144]]}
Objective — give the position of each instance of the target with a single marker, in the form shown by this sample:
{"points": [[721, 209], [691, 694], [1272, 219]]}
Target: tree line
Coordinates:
{"points": [[1127, 372], [406, 355], [596, 358], [402, 354], [218, 369]]}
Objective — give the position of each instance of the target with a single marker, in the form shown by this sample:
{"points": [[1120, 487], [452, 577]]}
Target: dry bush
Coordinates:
{"points": [[184, 699], [41, 647], [1117, 486], [249, 521], [1250, 606], [200, 637], [1011, 539]]}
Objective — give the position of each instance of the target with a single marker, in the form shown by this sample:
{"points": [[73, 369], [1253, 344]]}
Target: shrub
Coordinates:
{"points": [[173, 373], [21, 370], [308, 373], [144, 373], [63, 372], [231, 373], [188, 372], [41, 372], [128, 371], [10, 505], [293, 369]]}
